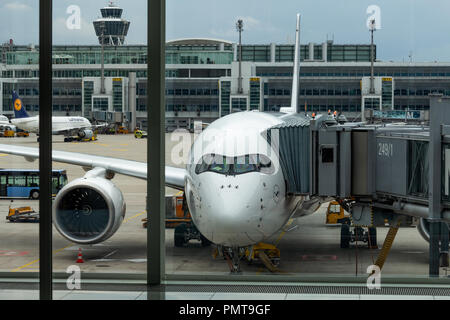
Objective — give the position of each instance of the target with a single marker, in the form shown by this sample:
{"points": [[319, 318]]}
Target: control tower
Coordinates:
{"points": [[111, 29]]}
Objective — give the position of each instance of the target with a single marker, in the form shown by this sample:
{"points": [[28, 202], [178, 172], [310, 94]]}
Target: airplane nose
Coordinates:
{"points": [[229, 216]]}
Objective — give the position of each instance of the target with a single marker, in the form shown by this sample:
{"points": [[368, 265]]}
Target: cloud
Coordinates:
{"points": [[17, 6]]}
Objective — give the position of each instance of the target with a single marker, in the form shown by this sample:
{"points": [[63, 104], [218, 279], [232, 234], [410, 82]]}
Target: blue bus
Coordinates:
{"points": [[24, 183]]}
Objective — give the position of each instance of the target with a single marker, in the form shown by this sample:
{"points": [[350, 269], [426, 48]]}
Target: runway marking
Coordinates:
{"points": [[284, 232], [4, 253], [278, 240], [127, 260], [134, 217], [37, 260], [69, 245], [319, 258]]}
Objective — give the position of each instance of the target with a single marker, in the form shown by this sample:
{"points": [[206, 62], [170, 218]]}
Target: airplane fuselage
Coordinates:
{"points": [[237, 206], [59, 124]]}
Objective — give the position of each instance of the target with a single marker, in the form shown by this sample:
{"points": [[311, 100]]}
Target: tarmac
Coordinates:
{"points": [[310, 248]]}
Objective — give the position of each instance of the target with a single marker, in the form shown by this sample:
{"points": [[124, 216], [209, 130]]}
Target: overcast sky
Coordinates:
{"points": [[417, 27]]}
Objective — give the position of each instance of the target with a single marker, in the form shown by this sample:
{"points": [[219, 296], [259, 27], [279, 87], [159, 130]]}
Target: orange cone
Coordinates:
{"points": [[80, 257]]}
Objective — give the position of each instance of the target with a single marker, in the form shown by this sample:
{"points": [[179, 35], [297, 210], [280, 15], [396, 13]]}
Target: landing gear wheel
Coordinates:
{"points": [[34, 194], [37, 139], [372, 238], [345, 236], [179, 235]]}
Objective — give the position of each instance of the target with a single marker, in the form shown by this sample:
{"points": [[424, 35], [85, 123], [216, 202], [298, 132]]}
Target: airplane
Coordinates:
{"points": [[79, 127], [237, 198], [5, 124]]}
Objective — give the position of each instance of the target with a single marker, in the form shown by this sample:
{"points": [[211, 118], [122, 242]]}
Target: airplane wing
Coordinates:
{"points": [[174, 176]]}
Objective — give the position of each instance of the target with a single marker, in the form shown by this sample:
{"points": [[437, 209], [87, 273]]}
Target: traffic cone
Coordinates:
{"points": [[80, 257]]}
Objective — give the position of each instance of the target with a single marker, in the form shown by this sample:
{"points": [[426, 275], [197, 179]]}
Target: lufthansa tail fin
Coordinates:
{"points": [[19, 108]]}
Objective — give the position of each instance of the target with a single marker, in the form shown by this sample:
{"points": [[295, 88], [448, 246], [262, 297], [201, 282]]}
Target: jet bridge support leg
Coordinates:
{"points": [[435, 230], [444, 260]]}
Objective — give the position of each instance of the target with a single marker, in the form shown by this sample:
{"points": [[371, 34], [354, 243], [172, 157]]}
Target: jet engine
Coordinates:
{"points": [[86, 134], [424, 229], [88, 210]]}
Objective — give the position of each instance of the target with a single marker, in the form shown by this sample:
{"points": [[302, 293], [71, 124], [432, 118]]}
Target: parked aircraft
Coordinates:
{"points": [[71, 127]]}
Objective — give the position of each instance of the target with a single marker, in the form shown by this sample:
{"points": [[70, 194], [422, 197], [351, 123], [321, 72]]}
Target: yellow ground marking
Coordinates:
{"points": [[284, 232], [4, 155], [37, 260], [59, 250], [278, 240], [134, 217]]}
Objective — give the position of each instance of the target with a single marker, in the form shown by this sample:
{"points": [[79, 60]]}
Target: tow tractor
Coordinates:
{"points": [[179, 217], [22, 214], [336, 215], [140, 134]]}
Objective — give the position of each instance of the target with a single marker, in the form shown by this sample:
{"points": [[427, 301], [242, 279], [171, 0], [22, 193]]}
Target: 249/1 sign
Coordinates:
{"points": [[385, 149]]}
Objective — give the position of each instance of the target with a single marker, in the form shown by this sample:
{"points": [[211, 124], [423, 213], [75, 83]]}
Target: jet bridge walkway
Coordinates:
{"points": [[384, 174]]}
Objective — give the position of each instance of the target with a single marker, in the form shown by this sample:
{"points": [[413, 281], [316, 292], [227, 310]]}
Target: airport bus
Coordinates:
{"points": [[24, 183]]}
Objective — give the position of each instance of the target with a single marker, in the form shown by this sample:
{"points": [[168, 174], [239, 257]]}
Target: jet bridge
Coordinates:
{"points": [[385, 174]]}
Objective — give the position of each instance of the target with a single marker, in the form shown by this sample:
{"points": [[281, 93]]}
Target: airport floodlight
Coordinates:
{"points": [[240, 25], [240, 28], [373, 25]]}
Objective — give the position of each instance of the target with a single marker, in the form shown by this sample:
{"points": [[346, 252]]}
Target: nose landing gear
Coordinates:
{"points": [[233, 257], [267, 254]]}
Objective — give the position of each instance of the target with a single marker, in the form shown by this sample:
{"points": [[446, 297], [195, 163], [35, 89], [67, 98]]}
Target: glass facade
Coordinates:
{"points": [[100, 104], [387, 92], [88, 90], [255, 93], [197, 229], [225, 90], [117, 94]]}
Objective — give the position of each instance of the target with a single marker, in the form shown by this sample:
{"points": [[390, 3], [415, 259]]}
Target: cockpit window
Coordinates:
{"points": [[235, 165], [220, 164], [244, 165]]}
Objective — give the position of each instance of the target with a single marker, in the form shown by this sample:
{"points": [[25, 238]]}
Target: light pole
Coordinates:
{"points": [[240, 28], [372, 29]]}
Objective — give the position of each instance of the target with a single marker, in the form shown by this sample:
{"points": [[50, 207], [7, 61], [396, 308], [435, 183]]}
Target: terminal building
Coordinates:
{"points": [[202, 78]]}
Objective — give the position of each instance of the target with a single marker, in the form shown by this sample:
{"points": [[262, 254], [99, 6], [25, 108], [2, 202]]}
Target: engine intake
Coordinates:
{"points": [[86, 134], [88, 210]]}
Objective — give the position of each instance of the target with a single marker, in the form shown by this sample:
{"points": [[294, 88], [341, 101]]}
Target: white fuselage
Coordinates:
{"points": [[4, 122], [240, 209], [59, 124]]}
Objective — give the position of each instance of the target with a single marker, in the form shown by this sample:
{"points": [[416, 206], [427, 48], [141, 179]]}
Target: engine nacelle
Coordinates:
{"points": [[88, 210], [86, 134], [424, 229]]}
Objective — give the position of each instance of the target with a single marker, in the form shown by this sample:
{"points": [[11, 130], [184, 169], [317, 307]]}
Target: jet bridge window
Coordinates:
{"points": [[235, 165], [327, 155]]}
